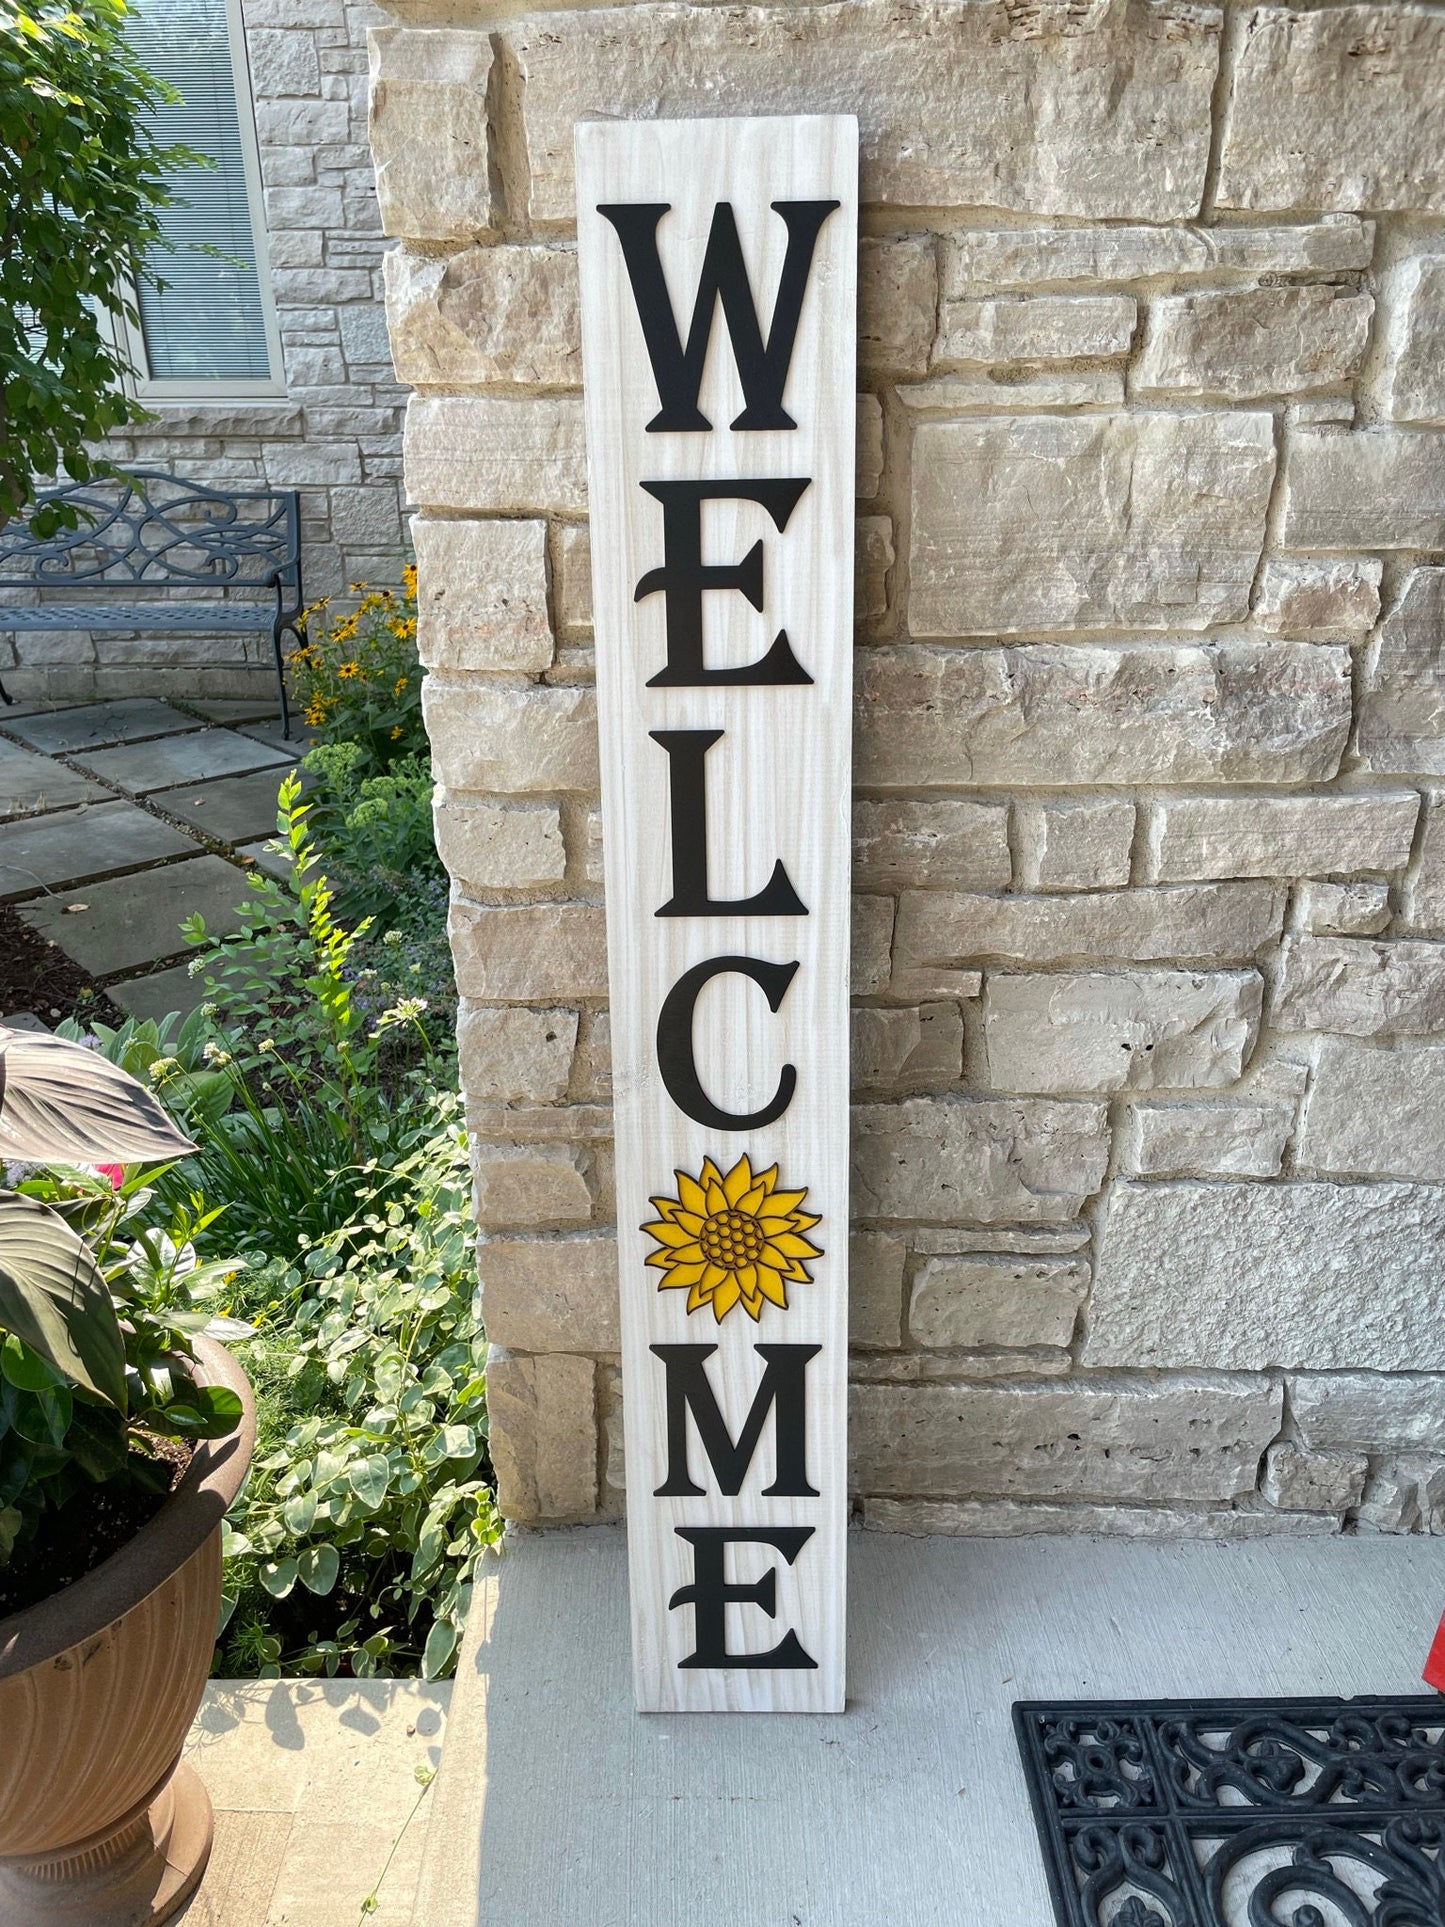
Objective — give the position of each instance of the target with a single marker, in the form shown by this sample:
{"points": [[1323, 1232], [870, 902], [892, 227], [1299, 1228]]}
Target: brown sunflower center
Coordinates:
{"points": [[731, 1238]]}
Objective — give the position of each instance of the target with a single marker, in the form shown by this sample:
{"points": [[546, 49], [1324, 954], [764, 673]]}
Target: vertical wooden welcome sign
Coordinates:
{"points": [[718, 269]]}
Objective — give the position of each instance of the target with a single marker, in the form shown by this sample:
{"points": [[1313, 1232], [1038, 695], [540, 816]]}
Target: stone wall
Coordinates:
{"points": [[336, 433], [1149, 1038]]}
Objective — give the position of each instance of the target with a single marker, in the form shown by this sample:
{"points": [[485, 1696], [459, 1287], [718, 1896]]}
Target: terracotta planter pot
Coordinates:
{"points": [[100, 1824]]}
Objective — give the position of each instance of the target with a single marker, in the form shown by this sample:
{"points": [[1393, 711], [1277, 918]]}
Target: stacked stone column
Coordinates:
{"points": [[1149, 1028]]}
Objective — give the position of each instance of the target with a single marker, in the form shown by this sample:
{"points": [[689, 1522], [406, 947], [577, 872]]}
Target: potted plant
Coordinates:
{"points": [[125, 1433]]}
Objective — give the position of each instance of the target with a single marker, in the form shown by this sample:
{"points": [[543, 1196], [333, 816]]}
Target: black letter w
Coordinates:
{"points": [[762, 367]]}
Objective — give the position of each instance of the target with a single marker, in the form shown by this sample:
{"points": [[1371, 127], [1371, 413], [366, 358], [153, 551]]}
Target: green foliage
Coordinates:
{"points": [[371, 1490], [139, 1295], [375, 830], [82, 179], [357, 678]]}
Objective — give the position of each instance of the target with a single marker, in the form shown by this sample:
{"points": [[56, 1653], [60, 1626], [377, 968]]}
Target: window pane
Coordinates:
{"points": [[208, 323]]}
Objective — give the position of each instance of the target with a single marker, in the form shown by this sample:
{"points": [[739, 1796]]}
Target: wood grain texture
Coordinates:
{"points": [[777, 787]]}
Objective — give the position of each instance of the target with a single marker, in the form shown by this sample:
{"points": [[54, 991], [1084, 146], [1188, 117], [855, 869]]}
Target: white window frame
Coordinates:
{"points": [[223, 388]]}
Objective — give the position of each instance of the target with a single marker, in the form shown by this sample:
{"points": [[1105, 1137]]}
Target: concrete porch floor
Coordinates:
{"points": [[558, 1806]]}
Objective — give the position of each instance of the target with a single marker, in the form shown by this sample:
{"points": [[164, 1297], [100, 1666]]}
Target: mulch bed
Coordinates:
{"points": [[36, 975]]}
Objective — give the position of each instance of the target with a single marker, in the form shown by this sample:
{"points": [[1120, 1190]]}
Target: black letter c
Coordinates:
{"points": [[674, 1042]]}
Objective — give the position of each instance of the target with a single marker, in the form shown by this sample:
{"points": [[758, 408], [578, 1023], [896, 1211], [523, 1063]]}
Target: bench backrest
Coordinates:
{"points": [[147, 529]]}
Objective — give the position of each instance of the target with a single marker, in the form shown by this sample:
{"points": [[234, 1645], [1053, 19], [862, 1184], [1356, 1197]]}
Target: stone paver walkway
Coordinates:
{"points": [[317, 1799], [96, 796]]}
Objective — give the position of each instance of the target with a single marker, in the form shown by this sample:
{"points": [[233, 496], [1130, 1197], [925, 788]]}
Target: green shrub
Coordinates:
{"points": [[372, 1493], [374, 830]]}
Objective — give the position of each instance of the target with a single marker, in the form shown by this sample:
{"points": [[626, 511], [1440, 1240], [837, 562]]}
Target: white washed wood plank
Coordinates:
{"points": [[778, 787]]}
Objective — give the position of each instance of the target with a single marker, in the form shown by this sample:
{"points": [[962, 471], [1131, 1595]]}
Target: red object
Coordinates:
{"points": [[115, 1172], [1435, 1665]]}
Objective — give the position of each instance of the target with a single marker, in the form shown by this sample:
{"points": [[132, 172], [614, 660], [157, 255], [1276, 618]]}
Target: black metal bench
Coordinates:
{"points": [[141, 537]]}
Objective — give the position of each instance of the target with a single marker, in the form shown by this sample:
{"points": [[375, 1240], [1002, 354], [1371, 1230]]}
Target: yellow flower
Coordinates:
{"points": [[396, 734], [316, 711], [408, 577], [347, 670], [732, 1240], [401, 683]]}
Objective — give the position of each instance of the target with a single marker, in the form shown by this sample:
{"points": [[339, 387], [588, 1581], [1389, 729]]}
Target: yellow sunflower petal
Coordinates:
{"points": [[684, 1275], [690, 1193], [780, 1203], [716, 1199], [750, 1200], [725, 1297], [801, 1221], [692, 1220], [739, 1181], [670, 1234], [709, 1174], [664, 1207], [767, 1179], [697, 1298], [771, 1285], [792, 1246], [795, 1269]]}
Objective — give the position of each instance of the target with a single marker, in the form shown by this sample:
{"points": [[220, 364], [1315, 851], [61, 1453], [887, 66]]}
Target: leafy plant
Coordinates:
{"points": [[82, 179], [357, 677], [377, 1498], [375, 830], [97, 1312]]}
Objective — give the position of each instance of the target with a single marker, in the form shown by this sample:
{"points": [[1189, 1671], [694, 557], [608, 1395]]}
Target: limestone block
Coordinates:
{"points": [[875, 1290], [592, 857], [555, 1294], [1243, 1276], [1076, 845], [1238, 1140], [1283, 836], [869, 447], [1402, 702], [1052, 714], [873, 558], [1023, 257], [872, 945], [614, 1455], [529, 953], [988, 1161], [482, 594], [1376, 1113], [1337, 109], [994, 391], [1048, 1239], [1012, 1519], [1145, 521], [500, 455], [282, 62], [1397, 1497], [1425, 886], [1361, 989], [1378, 488], [543, 1436], [943, 929], [1318, 595], [500, 846], [1297, 1481], [1416, 382], [573, 577], [1151, 1030], [515, 1056], [897, 302], [995, 1301], [429, 131], [946, 840], [919, 1049], [302, 123], [1114, 1438], [1044, 327], [1118, 105], [527, 1186], [1365, 1412], [498, 314], [1253, 341], [488, 736], [1344, 909]]}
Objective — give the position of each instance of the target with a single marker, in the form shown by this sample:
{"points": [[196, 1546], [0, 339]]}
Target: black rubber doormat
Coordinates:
{"points": [[1240, 1813]]}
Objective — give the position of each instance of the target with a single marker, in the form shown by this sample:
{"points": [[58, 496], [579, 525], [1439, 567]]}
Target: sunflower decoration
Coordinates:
{"points": [[733, 1240]]}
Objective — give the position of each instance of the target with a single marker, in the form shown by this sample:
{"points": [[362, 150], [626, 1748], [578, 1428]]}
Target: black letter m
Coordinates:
{"points": [[781, 1387], [762, 366]]}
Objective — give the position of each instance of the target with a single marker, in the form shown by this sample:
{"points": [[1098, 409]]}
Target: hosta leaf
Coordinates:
{"points": [[62, 1103], [53, 1297]]}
